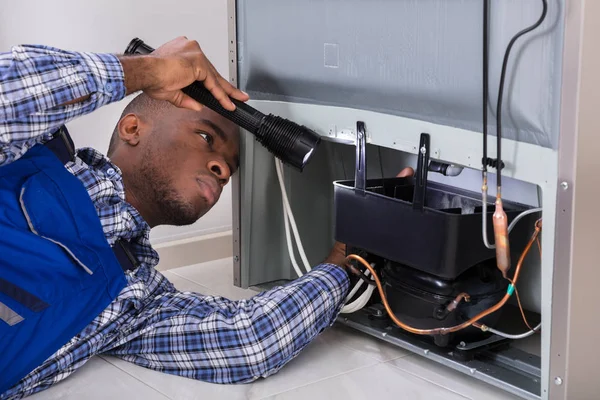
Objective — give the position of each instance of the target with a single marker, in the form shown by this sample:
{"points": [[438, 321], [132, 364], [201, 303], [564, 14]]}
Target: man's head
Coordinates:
{"points": [[175, 161]]}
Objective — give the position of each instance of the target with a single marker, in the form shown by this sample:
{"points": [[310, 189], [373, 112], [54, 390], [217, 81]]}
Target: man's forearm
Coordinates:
{"points": [[140, 72], [256, 337]]}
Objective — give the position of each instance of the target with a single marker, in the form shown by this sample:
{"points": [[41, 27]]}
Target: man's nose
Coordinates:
{"points": [[220, 169]]}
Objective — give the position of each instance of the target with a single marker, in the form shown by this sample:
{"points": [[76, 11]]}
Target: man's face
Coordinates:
{"points": [[187, 159]]}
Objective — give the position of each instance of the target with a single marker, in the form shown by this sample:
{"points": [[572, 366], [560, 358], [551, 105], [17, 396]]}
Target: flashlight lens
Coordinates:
{"points": [[292, 143]]}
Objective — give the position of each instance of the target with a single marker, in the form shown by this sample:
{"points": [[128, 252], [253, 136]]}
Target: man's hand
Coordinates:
{"points": [[337, 255], [173, 66]]}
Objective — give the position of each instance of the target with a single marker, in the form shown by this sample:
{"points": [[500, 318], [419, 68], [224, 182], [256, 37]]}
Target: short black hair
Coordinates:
{"points": [[142, 105]]}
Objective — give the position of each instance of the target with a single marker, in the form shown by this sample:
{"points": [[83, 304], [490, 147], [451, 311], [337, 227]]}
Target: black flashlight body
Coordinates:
{"points": [[292, 143]]}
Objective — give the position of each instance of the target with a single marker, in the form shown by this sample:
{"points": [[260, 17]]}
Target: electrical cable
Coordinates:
{"points": [[356, 288], [501, 88], [473, 321], [485, 160], [290, 215], [288, 218], [290, 246], [362, 300], [486, 55]]}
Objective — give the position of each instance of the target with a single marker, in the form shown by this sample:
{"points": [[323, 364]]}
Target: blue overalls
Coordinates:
{"points": [[57, 270]]}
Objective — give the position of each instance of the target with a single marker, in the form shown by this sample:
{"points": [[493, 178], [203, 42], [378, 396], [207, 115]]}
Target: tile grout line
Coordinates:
{"points": [[135, 377], [317, 381]]}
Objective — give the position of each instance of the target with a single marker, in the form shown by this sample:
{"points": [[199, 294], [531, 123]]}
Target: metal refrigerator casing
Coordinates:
{"points": [[558, 162]]}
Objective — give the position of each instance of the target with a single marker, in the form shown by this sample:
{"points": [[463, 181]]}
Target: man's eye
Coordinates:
{"points": [[207, 137]]}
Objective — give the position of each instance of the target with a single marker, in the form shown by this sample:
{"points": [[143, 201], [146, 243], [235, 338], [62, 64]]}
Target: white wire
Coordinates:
{"points": [[362, 299], [290, 245], [356, 287], [288, 218], [287, 233], [290, 215], [360, 302], [520, 336]]}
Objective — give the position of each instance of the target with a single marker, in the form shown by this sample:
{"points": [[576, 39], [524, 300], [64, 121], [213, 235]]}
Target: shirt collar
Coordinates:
{"points": [[136, 229]]}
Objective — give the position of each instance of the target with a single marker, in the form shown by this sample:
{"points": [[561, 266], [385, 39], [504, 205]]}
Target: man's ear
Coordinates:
{"points": [[129, 129]]}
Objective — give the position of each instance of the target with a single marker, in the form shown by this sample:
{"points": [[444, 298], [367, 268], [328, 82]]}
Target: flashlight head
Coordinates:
{"points": [[292, 143]]}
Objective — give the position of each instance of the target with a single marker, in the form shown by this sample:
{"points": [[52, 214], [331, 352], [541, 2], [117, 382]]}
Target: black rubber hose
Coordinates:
{"points": [[501, 88]]}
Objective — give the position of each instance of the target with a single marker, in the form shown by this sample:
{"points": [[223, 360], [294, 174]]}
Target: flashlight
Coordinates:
{"points": [[292, 143]]}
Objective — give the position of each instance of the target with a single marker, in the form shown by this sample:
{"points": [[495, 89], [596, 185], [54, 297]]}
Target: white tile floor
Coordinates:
{"points": [[341, 363]]}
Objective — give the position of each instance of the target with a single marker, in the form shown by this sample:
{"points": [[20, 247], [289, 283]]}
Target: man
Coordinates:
{"points": [[168, 161]]}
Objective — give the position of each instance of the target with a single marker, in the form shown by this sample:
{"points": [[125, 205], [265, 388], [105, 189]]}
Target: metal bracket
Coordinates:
{"points": [[421, 173], [360, 180]]}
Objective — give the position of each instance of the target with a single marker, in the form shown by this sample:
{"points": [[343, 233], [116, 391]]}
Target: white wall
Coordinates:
{"points": [[108, 26]]}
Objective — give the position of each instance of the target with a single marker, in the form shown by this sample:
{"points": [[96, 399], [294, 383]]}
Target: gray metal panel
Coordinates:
{"points": [[574, 354], [414, 58], [235, 179]]}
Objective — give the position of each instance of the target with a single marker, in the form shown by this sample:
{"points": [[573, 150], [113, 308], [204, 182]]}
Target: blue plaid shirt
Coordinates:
{"points": [[150, 323]]}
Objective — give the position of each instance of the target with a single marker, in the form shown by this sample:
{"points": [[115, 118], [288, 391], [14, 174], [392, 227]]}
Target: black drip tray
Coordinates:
{"points": [[443, 238]]}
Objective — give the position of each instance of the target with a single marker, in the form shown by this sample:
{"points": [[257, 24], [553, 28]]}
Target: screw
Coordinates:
{"points": [[384, 334], [558, 381], [236, 259], [423, 150], [564, 185], [462, 344]]}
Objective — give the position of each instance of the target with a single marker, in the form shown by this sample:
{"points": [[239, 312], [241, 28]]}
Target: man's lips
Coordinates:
{"points": [[210, 190]]}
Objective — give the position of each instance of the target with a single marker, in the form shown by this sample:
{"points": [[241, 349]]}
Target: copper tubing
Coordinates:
{"points": [[500, 222], [452, 306], [472, 321]]}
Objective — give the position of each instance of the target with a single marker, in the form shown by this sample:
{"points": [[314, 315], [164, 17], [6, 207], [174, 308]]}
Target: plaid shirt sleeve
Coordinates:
{"points": [[213, 339], [35, 82], [254, 338]]}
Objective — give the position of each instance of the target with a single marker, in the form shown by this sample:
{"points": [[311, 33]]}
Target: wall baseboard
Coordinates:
{"points": [[181, 253]]}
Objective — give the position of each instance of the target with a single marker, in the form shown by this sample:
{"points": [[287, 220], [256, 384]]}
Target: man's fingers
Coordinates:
{"points": [[189, 103], [217, 91], [231, 90], [406, 172], [182, 100]]}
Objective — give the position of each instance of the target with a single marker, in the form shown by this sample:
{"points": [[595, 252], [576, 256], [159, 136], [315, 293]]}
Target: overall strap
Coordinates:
{"points": [[62, 146]]}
